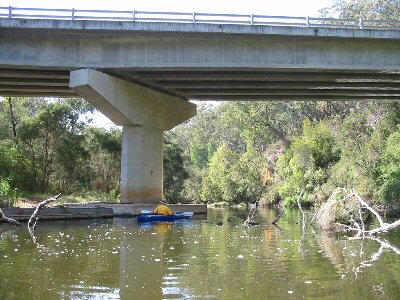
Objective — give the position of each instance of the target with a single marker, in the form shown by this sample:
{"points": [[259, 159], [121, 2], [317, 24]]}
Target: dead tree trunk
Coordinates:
{"points": [[12, 117]]}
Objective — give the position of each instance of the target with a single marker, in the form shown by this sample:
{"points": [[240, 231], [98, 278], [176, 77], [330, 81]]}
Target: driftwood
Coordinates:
{"points": [[3, 218], [34, 218], [249, 221], [360, 229]]}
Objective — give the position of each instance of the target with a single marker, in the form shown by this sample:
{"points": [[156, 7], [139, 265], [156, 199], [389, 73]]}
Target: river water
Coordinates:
{"points": [[119, 259]]}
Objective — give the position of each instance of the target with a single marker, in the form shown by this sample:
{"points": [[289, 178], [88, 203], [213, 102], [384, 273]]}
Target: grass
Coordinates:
{"points": [[31, 200]]}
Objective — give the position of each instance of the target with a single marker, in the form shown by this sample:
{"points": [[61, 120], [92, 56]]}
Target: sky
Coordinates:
{"points": [[264, 7]]}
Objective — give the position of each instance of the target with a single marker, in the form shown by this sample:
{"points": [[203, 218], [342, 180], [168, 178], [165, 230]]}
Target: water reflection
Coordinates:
{"points": [[111, 259]]}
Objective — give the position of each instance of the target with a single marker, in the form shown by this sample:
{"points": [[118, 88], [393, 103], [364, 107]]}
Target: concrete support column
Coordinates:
{"points": [[144, 114], [142, 163]]}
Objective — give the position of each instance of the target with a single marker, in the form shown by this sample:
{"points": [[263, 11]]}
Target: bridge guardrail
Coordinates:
{"points": [[193, 17]]}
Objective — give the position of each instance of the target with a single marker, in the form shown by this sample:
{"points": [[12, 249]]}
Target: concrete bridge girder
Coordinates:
{"points": [[144, 115], [202, 61]]}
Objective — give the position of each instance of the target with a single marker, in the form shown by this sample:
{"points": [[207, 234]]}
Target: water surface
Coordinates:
{"points": [[119, 259]]}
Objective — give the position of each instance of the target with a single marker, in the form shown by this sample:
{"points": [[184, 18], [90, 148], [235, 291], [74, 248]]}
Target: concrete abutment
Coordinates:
{"points": [[144, 114]]}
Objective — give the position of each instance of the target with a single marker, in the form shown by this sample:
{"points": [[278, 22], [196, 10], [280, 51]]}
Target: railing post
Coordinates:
{"points": [[251, 19], [308, 21], [73, 14], [10, 12], [194, 17], [134, 16], [360, 23]]}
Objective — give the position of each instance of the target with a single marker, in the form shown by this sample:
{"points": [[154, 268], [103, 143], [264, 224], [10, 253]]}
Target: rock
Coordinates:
{"points": [[339, 209]]}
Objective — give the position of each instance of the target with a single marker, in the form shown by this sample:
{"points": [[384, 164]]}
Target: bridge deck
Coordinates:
{"points": [[202, 61]]}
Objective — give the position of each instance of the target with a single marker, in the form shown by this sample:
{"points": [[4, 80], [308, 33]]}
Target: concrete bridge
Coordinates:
{"points": [[141, 75]]}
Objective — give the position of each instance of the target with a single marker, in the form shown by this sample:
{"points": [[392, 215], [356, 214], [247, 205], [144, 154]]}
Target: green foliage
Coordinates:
{"points": [[387, 178], [306, 165], [14, 166], [219, 185], [232, 177], [174, 172], [54, 150], [8, 195], [367, 9]]}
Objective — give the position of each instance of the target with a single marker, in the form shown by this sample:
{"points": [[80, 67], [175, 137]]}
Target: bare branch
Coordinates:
{"points": [[349, 228], [380, 220], [3, 218], [385, 228], [361, 219], [34, 218]]}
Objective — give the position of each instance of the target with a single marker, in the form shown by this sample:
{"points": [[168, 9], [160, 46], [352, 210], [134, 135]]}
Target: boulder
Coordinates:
{"points": [[339, 209]]}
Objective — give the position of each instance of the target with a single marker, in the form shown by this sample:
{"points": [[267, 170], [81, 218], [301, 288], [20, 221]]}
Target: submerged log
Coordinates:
{"points": [[5, 219]]}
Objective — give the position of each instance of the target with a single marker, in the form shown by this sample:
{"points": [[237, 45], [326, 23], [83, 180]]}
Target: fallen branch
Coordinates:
{"points": [[3, 218], [384, 227], [380, 220], [34, 218]]}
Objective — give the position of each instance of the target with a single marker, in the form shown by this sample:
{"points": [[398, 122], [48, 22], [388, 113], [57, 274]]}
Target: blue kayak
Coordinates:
{"points": [[164, 218]]}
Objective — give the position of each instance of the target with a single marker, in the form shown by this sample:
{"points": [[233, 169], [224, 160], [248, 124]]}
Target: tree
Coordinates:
{"points": [[366, 9], [104, 161], [174, 171], [306, 164], [45, 132], [219, 184], [387, 179]]}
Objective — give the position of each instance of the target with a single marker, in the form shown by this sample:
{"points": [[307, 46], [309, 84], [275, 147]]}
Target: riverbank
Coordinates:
{"points": [[91, 210]]}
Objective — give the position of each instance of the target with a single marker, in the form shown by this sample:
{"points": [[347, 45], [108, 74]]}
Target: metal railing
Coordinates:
{"points": [[192, 17]]}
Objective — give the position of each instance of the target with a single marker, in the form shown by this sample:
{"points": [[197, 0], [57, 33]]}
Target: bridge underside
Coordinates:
{"points": [[219, 84], [140, 74]]}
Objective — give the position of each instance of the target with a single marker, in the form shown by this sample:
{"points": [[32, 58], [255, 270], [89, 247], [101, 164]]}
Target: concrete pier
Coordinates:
{"points": [[144, 114], [142, 163]]}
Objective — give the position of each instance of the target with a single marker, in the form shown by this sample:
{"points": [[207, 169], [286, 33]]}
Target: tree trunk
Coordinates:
{"points": [[12, 117]]}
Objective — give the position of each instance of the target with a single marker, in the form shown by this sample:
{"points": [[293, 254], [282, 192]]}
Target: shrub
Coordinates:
{"points": [[8, 195], [307, 163], [387, 181]]}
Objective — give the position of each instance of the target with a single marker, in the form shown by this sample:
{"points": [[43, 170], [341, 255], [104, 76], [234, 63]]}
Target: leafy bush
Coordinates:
{"points": [[306, 165], [8, 195], [174, 171], [387, 181]]}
